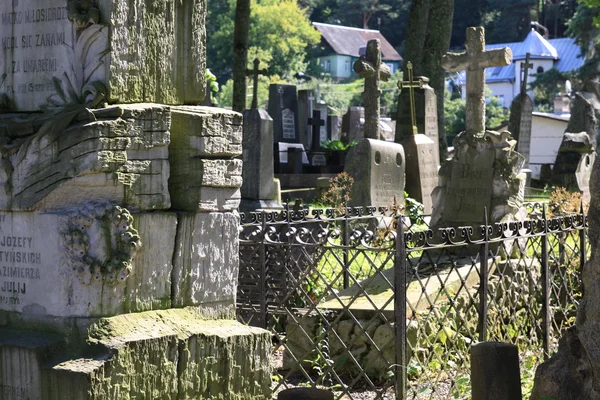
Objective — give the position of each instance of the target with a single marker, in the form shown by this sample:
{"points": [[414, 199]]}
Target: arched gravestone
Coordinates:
{"points": [[378, 171]]}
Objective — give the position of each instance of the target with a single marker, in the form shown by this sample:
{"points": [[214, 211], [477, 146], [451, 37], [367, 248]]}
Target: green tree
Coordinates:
{"points": [[507, 20], [279, 28], [455, 112]]}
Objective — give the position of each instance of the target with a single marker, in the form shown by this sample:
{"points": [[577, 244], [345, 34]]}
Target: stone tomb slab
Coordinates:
{"points": [[422, 166], [41, 46], [378, 171]]}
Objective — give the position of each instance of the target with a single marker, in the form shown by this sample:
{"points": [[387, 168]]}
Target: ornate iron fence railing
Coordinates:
{"points": [[361, 301]]}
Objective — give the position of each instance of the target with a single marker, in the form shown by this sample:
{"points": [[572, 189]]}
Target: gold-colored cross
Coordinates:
{"points": [[411, 86]]}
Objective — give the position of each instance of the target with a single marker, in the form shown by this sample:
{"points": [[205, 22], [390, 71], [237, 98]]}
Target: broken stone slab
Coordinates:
{"points": [[126, 52], [123, 159]]}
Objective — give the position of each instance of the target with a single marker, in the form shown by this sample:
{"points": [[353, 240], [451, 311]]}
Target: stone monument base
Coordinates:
{"points": [[173, 354]]}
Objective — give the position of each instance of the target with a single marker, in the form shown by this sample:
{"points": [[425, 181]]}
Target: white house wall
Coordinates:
{"points": [[504, 90], [339, 69], [546, 136]]}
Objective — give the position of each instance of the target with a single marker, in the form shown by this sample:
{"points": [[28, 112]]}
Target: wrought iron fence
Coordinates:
{"points": [[360, 302]]}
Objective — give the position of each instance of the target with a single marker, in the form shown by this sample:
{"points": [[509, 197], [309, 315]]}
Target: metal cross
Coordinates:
{"points": [[311, 99], [475, 60], [373, 70], [525, 73], [411, 86], [316, 122], [255, 73]]}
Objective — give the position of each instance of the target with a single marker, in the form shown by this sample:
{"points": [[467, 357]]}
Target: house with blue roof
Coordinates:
{"points": [[505, 82]]}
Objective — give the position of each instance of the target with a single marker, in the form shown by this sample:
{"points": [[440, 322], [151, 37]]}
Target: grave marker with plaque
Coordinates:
{"points": [[283, 108], [378, 171]]}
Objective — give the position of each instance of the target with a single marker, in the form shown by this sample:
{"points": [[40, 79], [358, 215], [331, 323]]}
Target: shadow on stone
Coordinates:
{"points": [[305, 394]]}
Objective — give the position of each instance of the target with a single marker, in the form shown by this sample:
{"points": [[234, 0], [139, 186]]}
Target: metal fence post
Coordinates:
{"points": [[400, 310], [263, 273], [345, 242], [545, 289], [483, 280], [582, 247]]}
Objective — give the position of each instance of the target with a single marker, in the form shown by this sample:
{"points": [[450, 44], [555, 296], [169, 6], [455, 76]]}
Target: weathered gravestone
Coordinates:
{"points": [[573, 155], [378, 171], [421, 153], [258, 189], [484, 173], [574, 371], [352, 126], [426, 114], [370, 67], [47, 53], [306, 105], [118, 226], [334, 127], [283, 108], [574, 146], [521, 110]]}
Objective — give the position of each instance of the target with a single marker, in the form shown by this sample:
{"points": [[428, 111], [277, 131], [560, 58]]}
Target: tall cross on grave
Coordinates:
{"points": [[316, 122], [411, 86], [373, 70], [525, 73], [255, 73], [475, 61]]}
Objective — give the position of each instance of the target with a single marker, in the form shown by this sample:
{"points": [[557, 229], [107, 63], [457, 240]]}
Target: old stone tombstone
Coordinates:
{"points": [[334, 127], [306, 105], [574, 152], [374, 71], [352, 125], [118, 226], [485, 171], [283, 108], [258, 189], [426, 114], [378, 171], [521, 110], [40, 40], [420, 151]]}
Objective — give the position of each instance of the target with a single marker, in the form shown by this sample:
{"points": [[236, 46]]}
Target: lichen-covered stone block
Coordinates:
{"points": [[205, 176], [206, 261], [173, 354]]}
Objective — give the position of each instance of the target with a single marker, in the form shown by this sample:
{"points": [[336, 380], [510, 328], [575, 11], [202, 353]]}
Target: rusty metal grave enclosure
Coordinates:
{"points": [[368, 307]]}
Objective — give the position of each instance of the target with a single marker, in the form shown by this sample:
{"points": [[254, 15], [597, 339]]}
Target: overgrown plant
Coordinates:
{"points": [[338, 193], [562, 202]]}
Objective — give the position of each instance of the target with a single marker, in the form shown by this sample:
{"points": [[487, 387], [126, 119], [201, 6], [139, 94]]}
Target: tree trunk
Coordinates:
{"points": [[240, 54], [427, 40], [439, 31], [416, 34]]}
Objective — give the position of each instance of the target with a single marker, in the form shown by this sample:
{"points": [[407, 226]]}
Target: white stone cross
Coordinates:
{"points": [[475, 61]]}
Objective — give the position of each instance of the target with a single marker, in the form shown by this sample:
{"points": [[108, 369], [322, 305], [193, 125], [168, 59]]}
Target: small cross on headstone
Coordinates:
{"points": [[255, 73], [373, 70], [525, 73], [411, 85], [316, 122], [311, 100], [475, 61]]}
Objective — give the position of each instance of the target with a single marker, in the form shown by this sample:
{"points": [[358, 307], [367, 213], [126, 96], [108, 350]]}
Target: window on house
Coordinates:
{"points": [[540, 70], [391, 68], [327, 65], [347, 66]]}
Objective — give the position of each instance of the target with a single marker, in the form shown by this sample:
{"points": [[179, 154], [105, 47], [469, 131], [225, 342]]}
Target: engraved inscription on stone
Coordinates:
{"points": [[288, 124], [469, 191], [35, 38], [21, 269]]}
